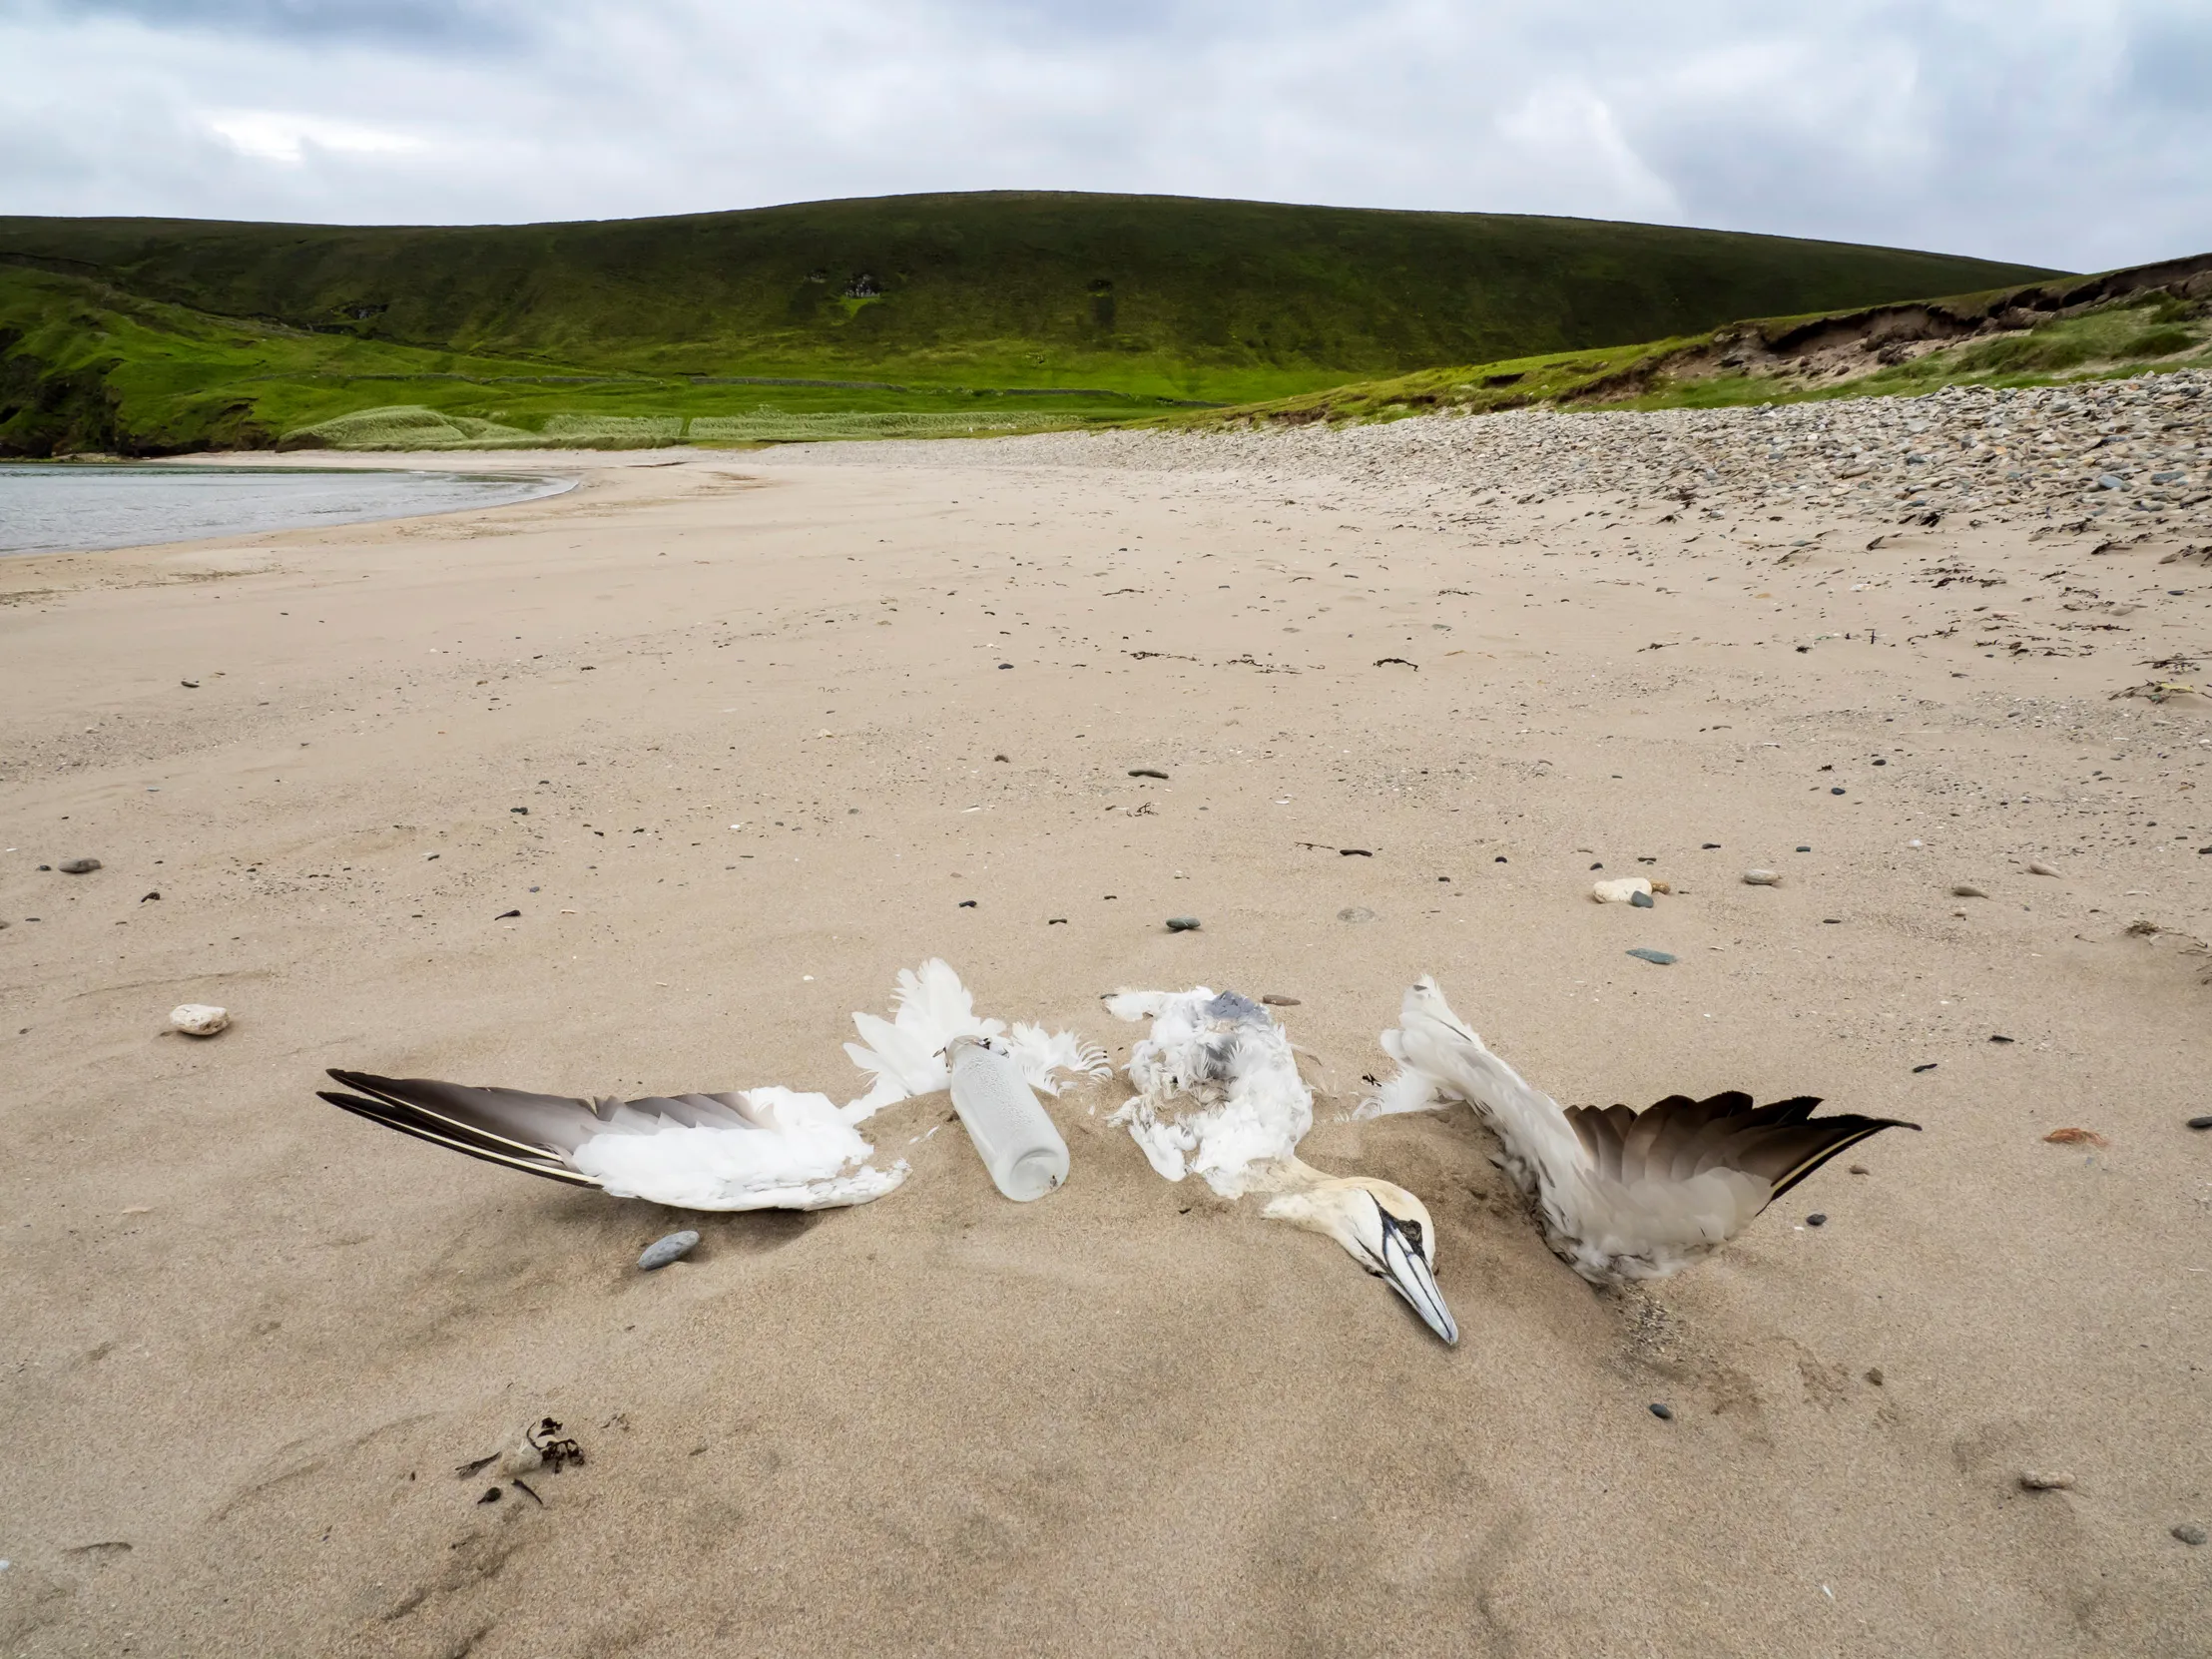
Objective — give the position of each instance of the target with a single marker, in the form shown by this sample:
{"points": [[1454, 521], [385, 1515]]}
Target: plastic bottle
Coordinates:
{"points": [[1017, 1142]]}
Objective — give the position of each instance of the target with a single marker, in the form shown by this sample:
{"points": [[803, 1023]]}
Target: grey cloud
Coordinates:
{"points": [[2065, 131], [404, 23]]}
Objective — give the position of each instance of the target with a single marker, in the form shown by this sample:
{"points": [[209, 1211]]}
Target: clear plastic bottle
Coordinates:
{"points": [[1018, 1144]]}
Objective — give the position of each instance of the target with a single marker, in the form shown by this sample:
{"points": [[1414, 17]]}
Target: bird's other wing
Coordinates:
{"points": [[1679, 1138], [1662, 1185]]}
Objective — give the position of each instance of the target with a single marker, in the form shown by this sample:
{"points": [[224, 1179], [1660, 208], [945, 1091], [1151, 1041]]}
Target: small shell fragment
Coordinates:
{"points": [[1621, 892], [199, 1019], [2077, 1137]]}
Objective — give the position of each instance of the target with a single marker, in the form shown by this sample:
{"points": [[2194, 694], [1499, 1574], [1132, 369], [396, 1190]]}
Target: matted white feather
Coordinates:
{"points": [[1219, 1094]]}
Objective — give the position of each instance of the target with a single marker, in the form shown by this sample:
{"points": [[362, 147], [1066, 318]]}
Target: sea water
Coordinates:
{"points": [[47, 507]]}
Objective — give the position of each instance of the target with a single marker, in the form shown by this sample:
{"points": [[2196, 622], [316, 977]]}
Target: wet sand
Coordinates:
{"points": [[254, 1340]]}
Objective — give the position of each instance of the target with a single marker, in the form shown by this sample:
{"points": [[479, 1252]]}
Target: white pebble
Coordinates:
{"points": [[1762, 879], [199, 1019], [1621, 892]]}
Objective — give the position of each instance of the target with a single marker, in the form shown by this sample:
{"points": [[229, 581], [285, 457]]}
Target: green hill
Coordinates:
{"points": [[2144, 318], [165, 333]]}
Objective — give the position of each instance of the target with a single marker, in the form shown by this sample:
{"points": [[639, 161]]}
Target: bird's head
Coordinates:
{"points": [[1384, 1227]]}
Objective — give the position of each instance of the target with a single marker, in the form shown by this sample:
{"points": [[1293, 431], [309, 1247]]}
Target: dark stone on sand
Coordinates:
{"points": [[1819, 1218], [78, 867], [2204, 1122], [1661, 959], [1665, 1413], [1642, 901], [1182, 925], [674, 1248], [1148, 772]]}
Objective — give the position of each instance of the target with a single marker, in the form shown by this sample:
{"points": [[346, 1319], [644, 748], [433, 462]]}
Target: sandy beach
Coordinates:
{"points": [[739, 734]]}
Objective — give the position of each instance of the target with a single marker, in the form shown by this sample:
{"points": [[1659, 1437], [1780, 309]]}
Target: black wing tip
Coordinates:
{"points": [[1849, 1132], [454, 1137]]}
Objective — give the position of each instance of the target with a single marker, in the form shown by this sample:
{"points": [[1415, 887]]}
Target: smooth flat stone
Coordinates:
{"points": [[1661, 958], [674, 1248]]}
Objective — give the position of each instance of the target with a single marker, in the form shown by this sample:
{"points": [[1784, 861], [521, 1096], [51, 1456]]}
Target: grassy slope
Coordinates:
{"points": [[1985, 338], [87, 366], [1148, 296]]}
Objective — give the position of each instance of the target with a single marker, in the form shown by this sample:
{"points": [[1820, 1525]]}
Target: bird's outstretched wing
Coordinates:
{"points": [[1622, 1194], [760, 1149], [750, 1149]]}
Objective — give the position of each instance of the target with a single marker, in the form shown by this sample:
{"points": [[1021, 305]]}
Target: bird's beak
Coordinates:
{"points": [[1407, 1271]]}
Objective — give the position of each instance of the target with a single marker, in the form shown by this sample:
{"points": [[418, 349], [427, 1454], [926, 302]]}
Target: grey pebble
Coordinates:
{"points": [[1182, 925], [2204, 1122], [1819, 1218], [2189, 1532], [1642, 901], [78, 867], [1354, 912], [674, 1248], [1661, 958], [1665, 1413], [1761, 878]]}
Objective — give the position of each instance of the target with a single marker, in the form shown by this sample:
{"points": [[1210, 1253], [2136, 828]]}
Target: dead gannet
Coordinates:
{"points": [[1219, 1096], [752, 1149], [1621, 1195]]}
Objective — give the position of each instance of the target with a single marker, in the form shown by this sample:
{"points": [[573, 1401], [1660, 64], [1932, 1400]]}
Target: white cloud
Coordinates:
{"points": [[271, 136], [2063, 132]]}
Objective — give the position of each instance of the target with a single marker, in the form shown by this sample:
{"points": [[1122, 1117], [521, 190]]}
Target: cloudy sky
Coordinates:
{"points": [[2071, 133]]}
